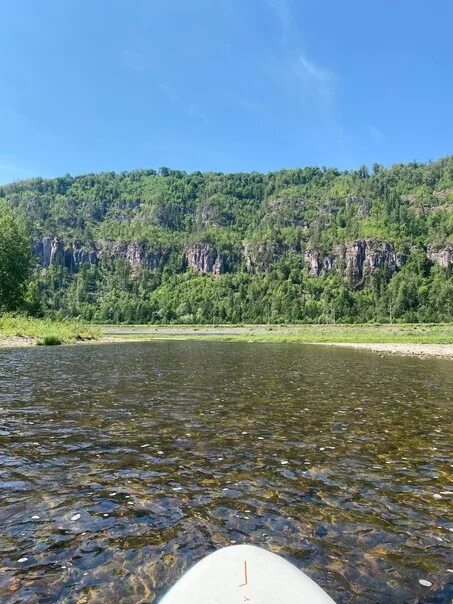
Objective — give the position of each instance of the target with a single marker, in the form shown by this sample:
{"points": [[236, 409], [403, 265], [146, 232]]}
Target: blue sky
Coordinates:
{"points": [[223, 85]]}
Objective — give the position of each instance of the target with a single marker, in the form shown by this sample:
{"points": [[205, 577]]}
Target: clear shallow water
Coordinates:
{"points": [[122, 464]]}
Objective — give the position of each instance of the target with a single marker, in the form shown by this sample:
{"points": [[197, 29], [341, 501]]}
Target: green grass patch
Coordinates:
{"points": [[47, 332], [352, 334]]}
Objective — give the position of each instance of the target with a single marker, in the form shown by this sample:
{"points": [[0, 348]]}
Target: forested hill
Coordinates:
{"points": [[314, 245]]}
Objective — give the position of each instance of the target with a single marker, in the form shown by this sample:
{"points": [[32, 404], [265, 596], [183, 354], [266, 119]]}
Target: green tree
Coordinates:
{"points": [[15, 262], [127, 237]]}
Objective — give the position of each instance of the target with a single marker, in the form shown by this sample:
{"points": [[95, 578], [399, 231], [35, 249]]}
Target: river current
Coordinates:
{"points": [[123, 464]]}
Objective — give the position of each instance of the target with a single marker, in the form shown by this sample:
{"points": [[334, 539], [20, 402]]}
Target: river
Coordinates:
{"points": [[123, 464]]}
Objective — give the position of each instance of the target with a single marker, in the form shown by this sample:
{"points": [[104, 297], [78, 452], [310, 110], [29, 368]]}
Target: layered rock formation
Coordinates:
{"points": [[355, 259], [441, 255], [259, 257], [319, 263], [52, 251], [204, 259], [365, 256], [136, 254]]}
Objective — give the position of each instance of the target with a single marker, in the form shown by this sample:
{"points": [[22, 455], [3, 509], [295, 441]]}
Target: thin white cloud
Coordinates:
{"points": [[297, 72], [317, 79], [316, 71], [324, 80]]}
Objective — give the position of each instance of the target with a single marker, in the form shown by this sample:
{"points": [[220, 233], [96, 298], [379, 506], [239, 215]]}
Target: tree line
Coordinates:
{"points": [[275, 217]]}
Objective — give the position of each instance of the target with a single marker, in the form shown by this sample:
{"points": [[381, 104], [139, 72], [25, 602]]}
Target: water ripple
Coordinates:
{"points": [[121, 465]]}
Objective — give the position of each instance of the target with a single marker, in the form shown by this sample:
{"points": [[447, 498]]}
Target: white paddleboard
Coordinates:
{"points": [[244, 573]]}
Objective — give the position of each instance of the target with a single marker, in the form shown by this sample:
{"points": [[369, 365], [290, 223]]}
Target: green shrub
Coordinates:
{"points": [[50, 341]]}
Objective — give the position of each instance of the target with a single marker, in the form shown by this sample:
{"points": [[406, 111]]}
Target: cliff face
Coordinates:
{"points": [[202, 258], [52, 251], [136, 254], [355, 260], [293, 245], [259, 257], [318, 263], [441, 255], [365, 256]]}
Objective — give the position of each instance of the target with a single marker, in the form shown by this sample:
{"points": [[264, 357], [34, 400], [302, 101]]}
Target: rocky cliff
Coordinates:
{"points": [[363, 257], [52, 251], [292, 245], [202, 258], [319, 263], [259, 257], [355, 259], [442, 255]]}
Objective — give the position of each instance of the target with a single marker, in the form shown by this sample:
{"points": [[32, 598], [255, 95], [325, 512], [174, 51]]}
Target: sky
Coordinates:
{"points": [[222, 85]]}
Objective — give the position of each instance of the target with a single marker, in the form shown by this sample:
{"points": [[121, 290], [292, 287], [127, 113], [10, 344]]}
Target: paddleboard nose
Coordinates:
{"points": [[240, 574]]}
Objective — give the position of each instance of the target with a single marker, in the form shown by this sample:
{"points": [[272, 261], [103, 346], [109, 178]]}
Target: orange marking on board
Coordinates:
{"points": [[245, 575]]}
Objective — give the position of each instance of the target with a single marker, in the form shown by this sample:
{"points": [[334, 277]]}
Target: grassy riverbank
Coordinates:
{"points": [[27, 331], [421, 340], [334, 334], [413, 339]]}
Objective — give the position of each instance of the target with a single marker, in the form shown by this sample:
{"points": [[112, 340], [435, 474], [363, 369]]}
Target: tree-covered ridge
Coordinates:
{"points": [[397, 203], [305, 244]]}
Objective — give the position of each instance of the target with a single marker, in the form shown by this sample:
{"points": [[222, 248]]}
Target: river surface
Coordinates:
{"points": [[123, 464]]}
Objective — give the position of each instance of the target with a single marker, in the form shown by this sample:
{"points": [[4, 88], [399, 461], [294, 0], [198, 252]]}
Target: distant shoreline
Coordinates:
{"points": [[17, 341], [434, 340], [441, 351]]}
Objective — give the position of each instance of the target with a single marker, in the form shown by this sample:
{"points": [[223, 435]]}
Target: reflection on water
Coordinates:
{"points": [[123, 464]]}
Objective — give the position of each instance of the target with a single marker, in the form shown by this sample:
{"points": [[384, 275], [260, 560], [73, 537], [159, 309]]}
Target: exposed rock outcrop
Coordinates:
{"points": [[136, 254], [81, 255], [259, 257], [441, 255], [356, 259], [52, 251], [49, 250], [319, 263], [204, 259], [364, 256]]}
